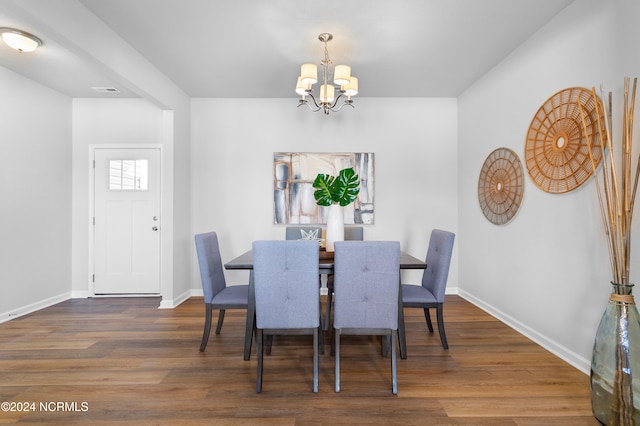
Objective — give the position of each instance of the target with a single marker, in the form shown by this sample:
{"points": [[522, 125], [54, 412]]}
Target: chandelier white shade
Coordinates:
{"points": [[342, 74], [327, 93], [326, 99], [309, 73], [351, 88], [19, 40]]}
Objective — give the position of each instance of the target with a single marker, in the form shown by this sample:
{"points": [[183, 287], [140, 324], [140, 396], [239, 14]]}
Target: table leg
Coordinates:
{"points": [[401, 334], [251, 318]]}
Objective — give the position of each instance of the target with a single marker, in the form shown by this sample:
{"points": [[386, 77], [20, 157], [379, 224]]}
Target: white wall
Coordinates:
{"points": [[35, 189], [546, 272], [414, 141]]}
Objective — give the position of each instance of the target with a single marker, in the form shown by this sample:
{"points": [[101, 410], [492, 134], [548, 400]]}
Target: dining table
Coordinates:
{"points": [[326, 265]]}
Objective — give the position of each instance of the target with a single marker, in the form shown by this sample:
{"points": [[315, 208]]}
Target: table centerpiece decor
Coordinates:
{"points": [[335, 193]]}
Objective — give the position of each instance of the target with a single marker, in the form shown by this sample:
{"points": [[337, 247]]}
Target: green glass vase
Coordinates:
{"points": [[615, 363]]}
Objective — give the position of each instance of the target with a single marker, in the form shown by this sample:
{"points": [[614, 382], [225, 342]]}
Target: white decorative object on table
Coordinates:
{"points": [[335, 226], [311, 235], [335, 193]]}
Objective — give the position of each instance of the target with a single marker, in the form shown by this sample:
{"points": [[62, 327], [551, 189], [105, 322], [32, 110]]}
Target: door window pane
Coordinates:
{"points": [[128, 175]]}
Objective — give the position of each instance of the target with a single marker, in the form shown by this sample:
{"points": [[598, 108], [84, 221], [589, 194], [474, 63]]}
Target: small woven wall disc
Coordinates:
{"points": [[501, 186], [556, 151]]}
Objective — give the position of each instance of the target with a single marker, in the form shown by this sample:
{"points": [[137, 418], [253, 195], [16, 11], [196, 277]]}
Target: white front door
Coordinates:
{"points": [[127, 221]]}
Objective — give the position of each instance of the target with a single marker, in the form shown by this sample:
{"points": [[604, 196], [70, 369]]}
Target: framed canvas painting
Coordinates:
{"points": [[293, 176]]}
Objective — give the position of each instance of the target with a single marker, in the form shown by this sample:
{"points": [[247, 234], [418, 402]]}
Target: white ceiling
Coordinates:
{"points": [[254, 48]]}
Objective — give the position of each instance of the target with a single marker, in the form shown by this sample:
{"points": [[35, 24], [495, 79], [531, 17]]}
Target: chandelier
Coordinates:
{"points": [[326, 100]]}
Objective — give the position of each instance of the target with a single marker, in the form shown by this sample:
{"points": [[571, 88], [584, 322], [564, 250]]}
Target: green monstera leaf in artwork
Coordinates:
{"points": [[341, 190]]}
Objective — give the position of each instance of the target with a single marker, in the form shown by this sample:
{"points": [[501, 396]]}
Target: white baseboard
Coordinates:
{"points": [[552, 346], [172, 303], [24, 310]]}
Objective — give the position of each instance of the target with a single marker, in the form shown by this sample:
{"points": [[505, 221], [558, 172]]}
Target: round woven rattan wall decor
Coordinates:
{"points": [[556, 152], [501, 186]]}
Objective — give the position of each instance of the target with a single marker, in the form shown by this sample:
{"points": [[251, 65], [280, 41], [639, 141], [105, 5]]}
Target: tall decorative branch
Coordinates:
{"points": [[616, 193]]}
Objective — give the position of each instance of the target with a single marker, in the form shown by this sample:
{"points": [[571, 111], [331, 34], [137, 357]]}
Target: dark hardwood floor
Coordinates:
{"points": [[123, 361]]}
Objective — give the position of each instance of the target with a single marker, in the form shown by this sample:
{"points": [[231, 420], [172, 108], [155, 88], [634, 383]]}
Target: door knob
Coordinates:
{"points": [[155, 228]]}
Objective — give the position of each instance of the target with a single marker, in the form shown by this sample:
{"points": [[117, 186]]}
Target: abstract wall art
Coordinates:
{"points": [[293, 176]]}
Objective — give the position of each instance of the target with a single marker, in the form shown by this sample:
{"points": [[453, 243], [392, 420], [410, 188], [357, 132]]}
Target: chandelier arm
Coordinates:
{"points": [[335, 102], [318, 107], [346, 102], [350, 103], [304, 102], [312, 109]]}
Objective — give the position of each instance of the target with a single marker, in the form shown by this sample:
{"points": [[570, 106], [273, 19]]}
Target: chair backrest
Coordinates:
{"points": [[210, 263], [295, 232], [438, 261], [285, 276], [353, 233], [367, 276]]}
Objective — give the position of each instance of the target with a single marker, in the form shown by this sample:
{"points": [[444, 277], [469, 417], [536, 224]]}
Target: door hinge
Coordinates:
{"points": [[94, 221], [93, 279], [94, 164]]}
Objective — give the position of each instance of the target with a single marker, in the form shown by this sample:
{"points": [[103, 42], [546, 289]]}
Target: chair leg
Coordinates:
{"points": [[394, 374], [428, 318], [259, 337], [333, 337], [316, 332], [443, 336], [250, 324], [321, 336], [327, 317], [268, 344], [384, 343], [207, 327], [220, 321], [402, 335], [337, 352]]}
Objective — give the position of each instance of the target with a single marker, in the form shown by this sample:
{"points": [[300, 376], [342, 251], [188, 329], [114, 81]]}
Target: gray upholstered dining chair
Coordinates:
{"points": [[430, 294], [366, 286], [285, 276], [301, 232], [351, 233], [214, 286]]}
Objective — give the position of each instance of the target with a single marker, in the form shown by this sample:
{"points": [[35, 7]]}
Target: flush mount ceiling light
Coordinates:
{"points": [[326, 100], [19, 40]]}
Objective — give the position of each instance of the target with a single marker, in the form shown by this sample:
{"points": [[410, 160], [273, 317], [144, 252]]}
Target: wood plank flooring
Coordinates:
{"points": [[123, 361]]}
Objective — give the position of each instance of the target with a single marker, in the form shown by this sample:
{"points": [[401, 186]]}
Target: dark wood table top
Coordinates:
{"points": [[245, 261]]}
